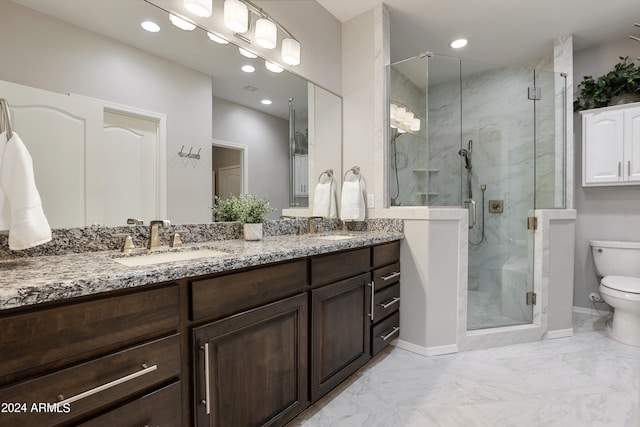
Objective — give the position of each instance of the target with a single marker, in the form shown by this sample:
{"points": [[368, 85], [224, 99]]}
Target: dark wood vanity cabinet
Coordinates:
{"points": [[339, 322], [251, 357], [72, 362], [384, 296]]}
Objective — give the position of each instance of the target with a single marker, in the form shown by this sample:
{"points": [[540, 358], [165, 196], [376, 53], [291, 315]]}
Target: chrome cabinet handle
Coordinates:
{"points": [[619, 169], [395, 300], [84, 394], [390, 276], [373, 291], [207, 377], [629, 168], [390, 334]]}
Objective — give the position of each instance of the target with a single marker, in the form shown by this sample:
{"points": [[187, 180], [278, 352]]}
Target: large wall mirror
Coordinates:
{"points": [[177, 119]]}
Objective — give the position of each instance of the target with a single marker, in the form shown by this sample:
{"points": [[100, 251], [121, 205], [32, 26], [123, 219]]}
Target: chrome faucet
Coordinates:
{"points": [[154, 235]]}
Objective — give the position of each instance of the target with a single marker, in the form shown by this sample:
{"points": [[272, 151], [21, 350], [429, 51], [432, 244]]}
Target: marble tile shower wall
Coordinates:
{"points": [[498, 116], [93, 239]]}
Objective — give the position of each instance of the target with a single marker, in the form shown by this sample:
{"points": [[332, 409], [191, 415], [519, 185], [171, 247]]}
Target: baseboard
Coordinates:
{"points": [[427, 351], [559, 333], [590, 311]]}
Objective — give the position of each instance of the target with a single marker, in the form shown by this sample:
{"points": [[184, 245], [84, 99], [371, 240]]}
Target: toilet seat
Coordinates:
{"points": [[621, 287]]}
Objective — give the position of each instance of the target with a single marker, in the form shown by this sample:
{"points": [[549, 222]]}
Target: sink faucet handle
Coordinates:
{"points": [[134, 221], [127, 243], [175, 241]]}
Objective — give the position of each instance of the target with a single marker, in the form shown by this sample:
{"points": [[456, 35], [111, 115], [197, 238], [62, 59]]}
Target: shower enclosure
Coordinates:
{"points": [[490, 140]]}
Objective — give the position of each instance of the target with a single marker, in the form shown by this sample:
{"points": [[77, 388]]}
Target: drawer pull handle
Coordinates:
{"points": [[390, 334], [373, 291], [394, 300], [108, 385], [390, 276], [207, 377]]}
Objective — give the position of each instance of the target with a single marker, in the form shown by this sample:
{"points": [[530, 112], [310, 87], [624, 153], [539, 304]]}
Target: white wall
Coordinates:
{"points": [[603, 212], [49, 54], [267, 138]]}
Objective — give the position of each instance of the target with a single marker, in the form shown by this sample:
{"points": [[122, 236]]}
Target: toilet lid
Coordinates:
{"points": [[622, 283]]}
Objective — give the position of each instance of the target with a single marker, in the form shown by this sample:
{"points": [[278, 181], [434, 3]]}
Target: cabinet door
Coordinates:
{"points": [[339, 338], [251, 368], [631, 165], [602, 147]]}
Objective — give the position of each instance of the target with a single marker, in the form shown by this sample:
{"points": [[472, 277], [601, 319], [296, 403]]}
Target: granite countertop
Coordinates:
{"points": [[35, 280]]}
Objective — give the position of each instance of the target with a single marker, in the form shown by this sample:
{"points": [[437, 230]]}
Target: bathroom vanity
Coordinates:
{"points": [[251, 337]]}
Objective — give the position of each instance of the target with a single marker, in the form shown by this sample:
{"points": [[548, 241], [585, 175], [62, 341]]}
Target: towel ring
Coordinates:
{"points": [[329, 173], [5, 118], [355, 170]]}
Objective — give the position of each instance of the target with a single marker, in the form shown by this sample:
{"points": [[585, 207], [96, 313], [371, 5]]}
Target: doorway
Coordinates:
{"points": [[229, 177]]}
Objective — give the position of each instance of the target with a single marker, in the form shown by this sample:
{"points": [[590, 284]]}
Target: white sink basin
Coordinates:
{"points": [[334, 237], [160, 257]]}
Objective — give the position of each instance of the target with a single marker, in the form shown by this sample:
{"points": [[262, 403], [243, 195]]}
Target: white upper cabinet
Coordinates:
{"points": [[611, 146]]}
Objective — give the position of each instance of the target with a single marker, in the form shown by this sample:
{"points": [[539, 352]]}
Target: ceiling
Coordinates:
{"points": [[499, 31], [120, 20]]}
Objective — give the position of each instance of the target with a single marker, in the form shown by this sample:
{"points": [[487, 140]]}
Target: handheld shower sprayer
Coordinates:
{"points": [[466, 153]]}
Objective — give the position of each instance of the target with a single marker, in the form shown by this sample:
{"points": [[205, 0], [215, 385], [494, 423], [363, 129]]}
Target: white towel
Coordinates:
{"points": [[20, 205], [352, 203], [325, 200]]}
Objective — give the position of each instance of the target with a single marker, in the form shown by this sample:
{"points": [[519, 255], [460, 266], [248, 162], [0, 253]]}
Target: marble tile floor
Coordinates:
{"points": [[584, 380]]}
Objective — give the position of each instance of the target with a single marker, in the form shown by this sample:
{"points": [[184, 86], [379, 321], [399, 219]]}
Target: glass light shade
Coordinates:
{"points": [[246, 53], [274, 68], [400, 113], [236, 16], [199, 7], [216, 38], [266, 33], [408, 118], [415, 125], [393, 108], [291, 51], [181, 23]]}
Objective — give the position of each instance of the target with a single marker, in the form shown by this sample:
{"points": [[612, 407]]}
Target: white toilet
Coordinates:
{"points": [[618, 263]]}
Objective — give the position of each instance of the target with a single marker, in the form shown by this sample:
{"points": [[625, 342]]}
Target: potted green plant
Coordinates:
{"points": [[248, 209], [623, 80]]}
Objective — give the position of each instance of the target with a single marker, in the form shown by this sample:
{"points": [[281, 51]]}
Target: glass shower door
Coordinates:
{"points": [[498, 159]]}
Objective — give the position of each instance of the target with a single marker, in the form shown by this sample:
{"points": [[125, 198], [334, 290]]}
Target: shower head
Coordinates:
{"points": [[466, 154]]}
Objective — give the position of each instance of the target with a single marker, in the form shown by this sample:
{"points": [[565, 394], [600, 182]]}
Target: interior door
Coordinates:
{"points": [[230, 181], [128, 170]]}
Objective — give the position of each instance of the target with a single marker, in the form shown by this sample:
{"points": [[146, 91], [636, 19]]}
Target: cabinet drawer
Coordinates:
{"points": [[386, 276], [224, 295], [386, 302], [67, 332], [333, 267], [160, 408], [385, 332], [94, 385], [386, 253]]}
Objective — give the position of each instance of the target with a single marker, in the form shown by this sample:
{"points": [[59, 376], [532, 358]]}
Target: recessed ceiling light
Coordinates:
{"points": [[266, 101], [248, 68], [216, 38], [246, 53], [181, 23], [274, 68], [150, 26], [457, 44]]}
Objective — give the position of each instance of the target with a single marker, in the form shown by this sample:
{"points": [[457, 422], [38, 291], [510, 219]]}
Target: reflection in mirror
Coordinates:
{"points": [[97, 50]]}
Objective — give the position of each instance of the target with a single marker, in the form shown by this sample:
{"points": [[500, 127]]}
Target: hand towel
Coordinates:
{"points": [[325, 200], [20, 204], [352, 206]]}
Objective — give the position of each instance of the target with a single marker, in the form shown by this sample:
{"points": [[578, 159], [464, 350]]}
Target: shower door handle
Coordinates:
{"points": [[472, 203]]}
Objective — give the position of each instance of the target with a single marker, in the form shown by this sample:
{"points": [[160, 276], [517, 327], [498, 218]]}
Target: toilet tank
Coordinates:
{"points": [[616, 258]]}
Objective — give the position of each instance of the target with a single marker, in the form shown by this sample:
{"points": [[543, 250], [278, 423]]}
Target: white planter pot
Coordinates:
{"points": [[252, 231]]}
